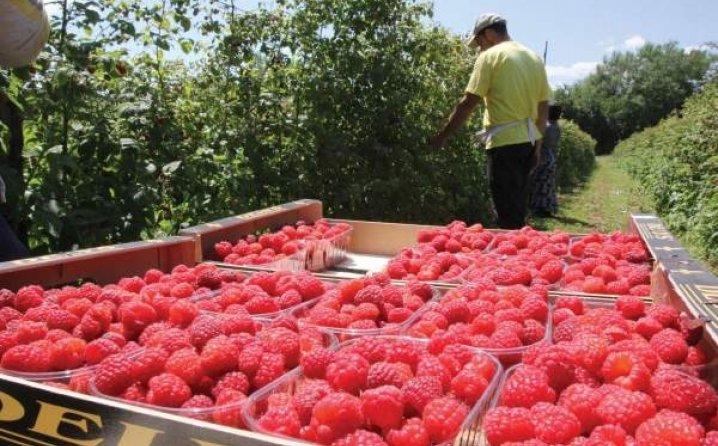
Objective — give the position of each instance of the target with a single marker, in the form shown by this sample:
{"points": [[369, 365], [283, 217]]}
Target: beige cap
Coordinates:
{"points": [[483, 22]]}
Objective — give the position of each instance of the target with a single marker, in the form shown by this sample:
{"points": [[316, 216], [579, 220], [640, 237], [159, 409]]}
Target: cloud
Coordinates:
{"points": [[702, 47], [569, 74], [634, 42]]}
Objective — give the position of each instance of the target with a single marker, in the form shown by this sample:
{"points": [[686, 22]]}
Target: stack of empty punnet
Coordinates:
{"points": [[302, 246]]}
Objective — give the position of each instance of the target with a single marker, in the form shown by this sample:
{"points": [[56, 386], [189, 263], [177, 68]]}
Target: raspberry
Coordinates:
{"points": [[27, 332], [431, 366], [314, 363], [281, 340], [639, 348], [229, 408], [670, 346], [608, 434], [525, 387], [582, 401], [336, 415], [309, 286], [288, 299], [631, 307], [665, 314], [711, 439], [167, 390], [232, 380], [469, 385], [27, 358], [557, 362], [575, 304], [443, 418], [249, 359], [148, 363], [696, 357], [670, 428], [203, 329], [456, 310], [383, 407], [385, 373], [554, 424], [99, 349], [135, 316], [421, 390], [412, 433], [348, 372], [361, 437], [186, 364], [307, 396], [28, 297], [281, 420], [170, 340], [508, 424], [675, 390], [68, 353], [271, 367], [370, 294], [506, 338], [626, 409], [219, 356], [136, 392], [372, 349], [182, 313], [626, 370], [648, 326], [113, 375]]}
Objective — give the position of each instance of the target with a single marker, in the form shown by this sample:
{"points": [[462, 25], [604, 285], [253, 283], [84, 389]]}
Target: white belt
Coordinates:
{"points": [[487, 134]]}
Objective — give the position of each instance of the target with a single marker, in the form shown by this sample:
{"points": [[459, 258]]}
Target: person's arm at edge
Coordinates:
{"points": [[459, 115], [541, 122]]}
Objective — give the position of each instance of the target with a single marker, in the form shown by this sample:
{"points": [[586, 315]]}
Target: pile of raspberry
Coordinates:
{"points": [[604, 274], [528, 240], [68, 328], [265, 293], [621, 375], [538, 268], [368, 303], [619, 245], [456, 237], [379, 392], [485, 316], [271, 247], [208, 367]]}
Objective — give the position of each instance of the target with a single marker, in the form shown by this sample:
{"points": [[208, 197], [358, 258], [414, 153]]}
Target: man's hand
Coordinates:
{"points": [[437, 141]]}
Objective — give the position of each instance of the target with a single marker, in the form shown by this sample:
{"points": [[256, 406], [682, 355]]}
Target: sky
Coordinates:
{"points": [[582, 32]]}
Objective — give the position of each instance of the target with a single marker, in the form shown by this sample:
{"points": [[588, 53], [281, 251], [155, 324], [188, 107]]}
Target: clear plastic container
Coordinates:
{"points": [[468, 434], [60, 378], [301, 312]]}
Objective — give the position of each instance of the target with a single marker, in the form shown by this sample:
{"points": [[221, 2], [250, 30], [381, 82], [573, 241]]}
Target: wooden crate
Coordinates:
{"points": [[102, 265]]}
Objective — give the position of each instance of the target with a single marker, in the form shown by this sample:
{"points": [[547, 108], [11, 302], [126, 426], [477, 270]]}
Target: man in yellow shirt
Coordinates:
{"points": [[512, 81]]}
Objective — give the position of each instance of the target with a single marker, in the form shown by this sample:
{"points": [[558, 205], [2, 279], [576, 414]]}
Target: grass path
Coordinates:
{"points": [[602, 204]]}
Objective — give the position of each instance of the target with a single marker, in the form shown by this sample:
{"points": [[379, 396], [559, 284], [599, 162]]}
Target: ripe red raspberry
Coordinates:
{"points": [[281, 340], [626, 409], [420, 390], [219, 356], [575, 304], [382, 373], [27, 331], [27, 358], [113, 375], [335, 416], [678, 391], [203, 329], [309, 286], [135, 316], [361, 437], [607, 434], [398, 315], [582, 401], [670, 346], [229, 408], [670, 428], [430, 365], [625, 369], [505, 338], [148, 363], [412, 433], [132, 284], [558, 364], [281, 420], [182, 313], [348, 372], [508, 424], [261, 304], [554, 424], [383, 407], [525, 387], [68, 353], [667, 315], [443, 418], [28, 297], [631, 307], [271, 367], [249, 359], [307, 396], [167, 390], [99, 349], [136, 392], [232, 380], [648, 326], [696, 357], [186, 364], [469, 385], [370, 294], [456, 310], [711, 439], [405, 351], [314, 363], [288, 299]]}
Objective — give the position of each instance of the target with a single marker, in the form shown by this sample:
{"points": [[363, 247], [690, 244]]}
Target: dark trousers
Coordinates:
{"points": [[11, 247], [509, 168]]}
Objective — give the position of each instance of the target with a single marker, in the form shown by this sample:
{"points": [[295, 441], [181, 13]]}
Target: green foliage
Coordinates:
{"points": [[677, 163], [576, 158], [631, 91], [332, 99]]}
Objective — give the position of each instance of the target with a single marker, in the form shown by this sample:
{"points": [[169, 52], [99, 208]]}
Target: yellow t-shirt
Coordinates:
{"points": [[512, 81]]}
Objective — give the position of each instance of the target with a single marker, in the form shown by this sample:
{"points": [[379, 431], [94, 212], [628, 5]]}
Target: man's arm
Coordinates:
{"points": [[541, 123], [458, 117]]}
